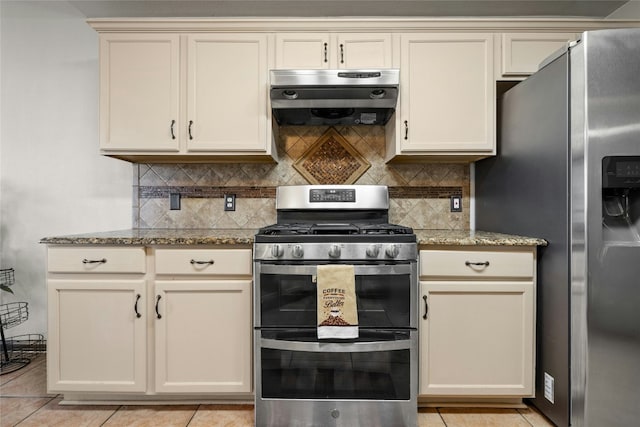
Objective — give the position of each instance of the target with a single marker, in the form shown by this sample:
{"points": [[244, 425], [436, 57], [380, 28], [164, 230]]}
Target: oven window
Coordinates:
{"points": [[383, 300], [375, 375]]}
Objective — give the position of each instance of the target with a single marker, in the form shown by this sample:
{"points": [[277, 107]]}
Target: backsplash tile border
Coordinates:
{"points": [[212, 192]]}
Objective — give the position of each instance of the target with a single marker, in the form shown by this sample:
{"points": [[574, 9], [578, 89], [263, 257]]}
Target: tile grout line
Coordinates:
{"points": [[193, 415], [112, 414], [35, 410]]}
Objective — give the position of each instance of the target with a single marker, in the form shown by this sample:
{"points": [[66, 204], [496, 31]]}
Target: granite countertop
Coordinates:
{"points": [[245, 237], [159, 236], [474, 238]]}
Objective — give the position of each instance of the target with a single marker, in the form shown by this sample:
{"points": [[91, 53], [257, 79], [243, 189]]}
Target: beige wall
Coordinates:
{"points": [[53, 181]]}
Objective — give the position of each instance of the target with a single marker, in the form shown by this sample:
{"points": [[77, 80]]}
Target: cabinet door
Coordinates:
{"points": [[96, 340], [139, 89], [303, 51], [522, 53], [477, 339], [227, 104], [447, 96], [203, 336], [364, 50]]}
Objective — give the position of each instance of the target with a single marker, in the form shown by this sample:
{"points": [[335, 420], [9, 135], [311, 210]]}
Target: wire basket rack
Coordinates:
{"points": [[13, 314], [7, 278], [16, 352]]}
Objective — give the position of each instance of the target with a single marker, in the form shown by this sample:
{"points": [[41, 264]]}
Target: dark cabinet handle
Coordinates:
{"points": [[341, 53], [94, 261], [426, 307], [135, 307], [210, 262], [190, 124], [158, 315], [325, 52], [476, 264], [173, 135], [406, 130]]}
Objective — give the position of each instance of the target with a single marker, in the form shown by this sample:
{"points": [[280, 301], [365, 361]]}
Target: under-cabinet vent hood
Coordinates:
{"points": [[334, 97]]}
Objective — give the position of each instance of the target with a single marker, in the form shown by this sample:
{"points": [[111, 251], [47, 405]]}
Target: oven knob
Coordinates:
{"points": [[373, 251], [297, 251], [277, 251], [392, 251], [334, 251]]}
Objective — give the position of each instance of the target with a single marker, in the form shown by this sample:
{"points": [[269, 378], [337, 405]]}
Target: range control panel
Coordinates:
{"points": [[342, 195]]}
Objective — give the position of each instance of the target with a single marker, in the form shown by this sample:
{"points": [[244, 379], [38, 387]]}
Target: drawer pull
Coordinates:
{"points": [[94, 261], [426, 307], [158, 315], [210, 262], [477, 264], [135, 307]]}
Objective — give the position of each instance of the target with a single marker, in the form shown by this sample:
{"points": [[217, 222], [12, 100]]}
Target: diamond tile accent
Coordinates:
{"points": [[331, 160]]}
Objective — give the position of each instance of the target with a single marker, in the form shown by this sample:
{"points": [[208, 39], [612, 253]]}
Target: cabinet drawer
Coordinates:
{"points": [[203, 261], [476, 264], [97, 259]]}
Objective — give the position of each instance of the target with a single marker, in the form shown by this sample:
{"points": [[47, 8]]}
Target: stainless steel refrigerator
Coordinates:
{"points": [[568, 170]]}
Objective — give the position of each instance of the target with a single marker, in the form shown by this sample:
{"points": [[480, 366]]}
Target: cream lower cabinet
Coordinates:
{"points": [[149, 321], [202, 321], [97, 331], [477, 330], [447, 97]]}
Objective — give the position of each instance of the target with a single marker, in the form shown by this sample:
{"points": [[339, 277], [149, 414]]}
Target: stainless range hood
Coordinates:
{"points": [[334, 97]]}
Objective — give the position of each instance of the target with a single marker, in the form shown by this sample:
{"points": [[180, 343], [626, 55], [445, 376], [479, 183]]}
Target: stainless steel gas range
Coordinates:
{"points": [[301, 379]]}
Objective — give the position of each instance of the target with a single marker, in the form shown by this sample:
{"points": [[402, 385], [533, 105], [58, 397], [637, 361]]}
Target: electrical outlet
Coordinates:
{"points": [[174, 201], [229, 202], [456, 204], [548, 387]]}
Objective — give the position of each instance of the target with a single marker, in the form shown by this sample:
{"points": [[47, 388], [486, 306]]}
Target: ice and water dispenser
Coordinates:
{"points": [[621, 199], [614, 267]]}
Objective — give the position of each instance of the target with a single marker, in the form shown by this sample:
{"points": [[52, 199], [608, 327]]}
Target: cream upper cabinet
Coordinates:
{"points": [[227, 106], [139, 92], [477, 325], [447, 97], [331, 51], [185, 96], [363, 50], [522, 53], [302, 51]]}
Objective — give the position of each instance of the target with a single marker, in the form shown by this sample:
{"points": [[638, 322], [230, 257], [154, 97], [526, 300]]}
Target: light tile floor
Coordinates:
{"points": [[24, 402]]}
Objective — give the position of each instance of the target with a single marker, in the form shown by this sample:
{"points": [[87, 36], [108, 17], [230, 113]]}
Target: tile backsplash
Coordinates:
{"points": [[419, 192]]}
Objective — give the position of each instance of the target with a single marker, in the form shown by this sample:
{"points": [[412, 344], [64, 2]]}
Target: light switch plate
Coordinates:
{"points": [[456, 204], [174, 201]]}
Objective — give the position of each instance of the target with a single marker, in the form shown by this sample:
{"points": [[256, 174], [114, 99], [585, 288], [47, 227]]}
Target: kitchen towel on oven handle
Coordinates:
{"points": [[337, 309]]}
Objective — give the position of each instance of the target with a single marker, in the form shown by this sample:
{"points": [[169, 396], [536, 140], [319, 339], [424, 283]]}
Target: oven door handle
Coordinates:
{"points": [[312, 270], [333, 347]]}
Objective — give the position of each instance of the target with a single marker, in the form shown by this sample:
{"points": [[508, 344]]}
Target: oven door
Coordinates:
{"points": [[386, 295], [379, 365]]}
